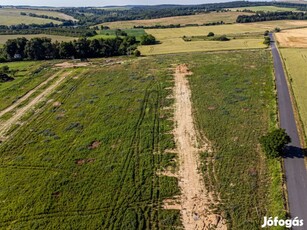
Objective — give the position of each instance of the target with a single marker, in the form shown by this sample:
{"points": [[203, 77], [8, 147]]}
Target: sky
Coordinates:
{"points": [[101, 2]]}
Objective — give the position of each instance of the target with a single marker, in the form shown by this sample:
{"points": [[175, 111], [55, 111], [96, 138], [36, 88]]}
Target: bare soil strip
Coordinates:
{"points": [[195, 200], [5, 125], [27, 95]]}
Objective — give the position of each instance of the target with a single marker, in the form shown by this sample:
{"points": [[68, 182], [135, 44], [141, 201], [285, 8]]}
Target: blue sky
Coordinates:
{"points": [[101, 2]]}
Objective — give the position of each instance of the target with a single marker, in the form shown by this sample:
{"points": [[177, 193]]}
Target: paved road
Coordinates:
{"points": [[295, 170]]}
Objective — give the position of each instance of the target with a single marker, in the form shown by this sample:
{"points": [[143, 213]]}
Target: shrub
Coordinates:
{"points": [[274, 142], [210, 34]]}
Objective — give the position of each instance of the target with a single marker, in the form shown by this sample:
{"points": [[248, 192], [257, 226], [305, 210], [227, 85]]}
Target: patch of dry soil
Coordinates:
{"points": [[195, 200]]}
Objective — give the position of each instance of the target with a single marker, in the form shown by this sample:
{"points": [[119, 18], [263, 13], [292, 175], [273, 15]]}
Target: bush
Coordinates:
{"points": [[266, 33], [148, 39], [267, 41], [137, 53], [277, 29], [274, 142], [210, 34]]}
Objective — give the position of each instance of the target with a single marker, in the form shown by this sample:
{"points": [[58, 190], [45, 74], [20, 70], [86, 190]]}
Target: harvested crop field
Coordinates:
{"points": [[171, 40], [295, 38], [296, 65], [226, 17]]}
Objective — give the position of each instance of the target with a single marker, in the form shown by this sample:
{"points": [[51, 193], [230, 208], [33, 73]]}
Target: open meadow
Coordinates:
{"points": [[4, 38], [234, 105], [264, 8], [12, 16], [296, 65], [226, 17], [89, 153]]}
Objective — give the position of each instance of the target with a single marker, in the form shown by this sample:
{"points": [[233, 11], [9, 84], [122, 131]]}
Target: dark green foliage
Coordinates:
{"points": [[148, 39], [274, 142], [266, 33], [222, 38], [43, 48], [210, 34], [5, 78], [277, 29], [4, 69], [267, 40], [137, 53]]}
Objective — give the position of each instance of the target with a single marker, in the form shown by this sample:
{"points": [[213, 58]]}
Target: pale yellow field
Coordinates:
{"points": [[172, 42], [177, 45], [296, 65], [4, 38], [227, 17], [292, 38], [11, 16], [264, 8]]}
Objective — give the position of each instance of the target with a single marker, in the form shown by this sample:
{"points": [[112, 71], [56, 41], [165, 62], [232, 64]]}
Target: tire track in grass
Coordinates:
{"points": [[112, 216], [5, 125], [118, 211], [27, 95]]}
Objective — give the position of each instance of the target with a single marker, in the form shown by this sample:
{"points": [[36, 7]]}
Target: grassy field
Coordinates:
{"points": [[296, 64], [227, 17], [171, 39], [111, 33], [11, 16], [92, 162], [4, 38], [28, 75], [234, 102], [264, 8]]}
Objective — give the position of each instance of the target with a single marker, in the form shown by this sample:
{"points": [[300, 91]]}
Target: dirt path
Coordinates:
{"points": [[27, 95], [5, 125], [195, 200]]}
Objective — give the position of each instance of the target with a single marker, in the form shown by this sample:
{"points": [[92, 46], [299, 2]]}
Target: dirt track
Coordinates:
{"points": [[5, 125], [27, 95], [195, 200]]}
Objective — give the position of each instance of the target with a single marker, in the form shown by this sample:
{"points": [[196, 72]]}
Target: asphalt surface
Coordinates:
{"points": [[295, 169]]}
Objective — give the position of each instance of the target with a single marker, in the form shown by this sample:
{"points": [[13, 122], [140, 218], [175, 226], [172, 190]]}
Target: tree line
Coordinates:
{"points": [[91, 16], [270, 16], [50, 28], [44, 48]]}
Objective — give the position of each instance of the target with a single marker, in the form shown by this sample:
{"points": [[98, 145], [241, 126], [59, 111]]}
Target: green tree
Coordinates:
{"points": [[274, 142], [148, 39], [267, 41]]}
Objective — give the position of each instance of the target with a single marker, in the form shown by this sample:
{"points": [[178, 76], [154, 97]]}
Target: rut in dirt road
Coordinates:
{"points": [[5, 125], [195, 200]]}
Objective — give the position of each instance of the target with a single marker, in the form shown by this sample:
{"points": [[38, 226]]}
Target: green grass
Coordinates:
{"points": [[111, 33], [234, 102], [264, 8], [11, 16], [4, 38], [28, 75], [116, 186]]}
